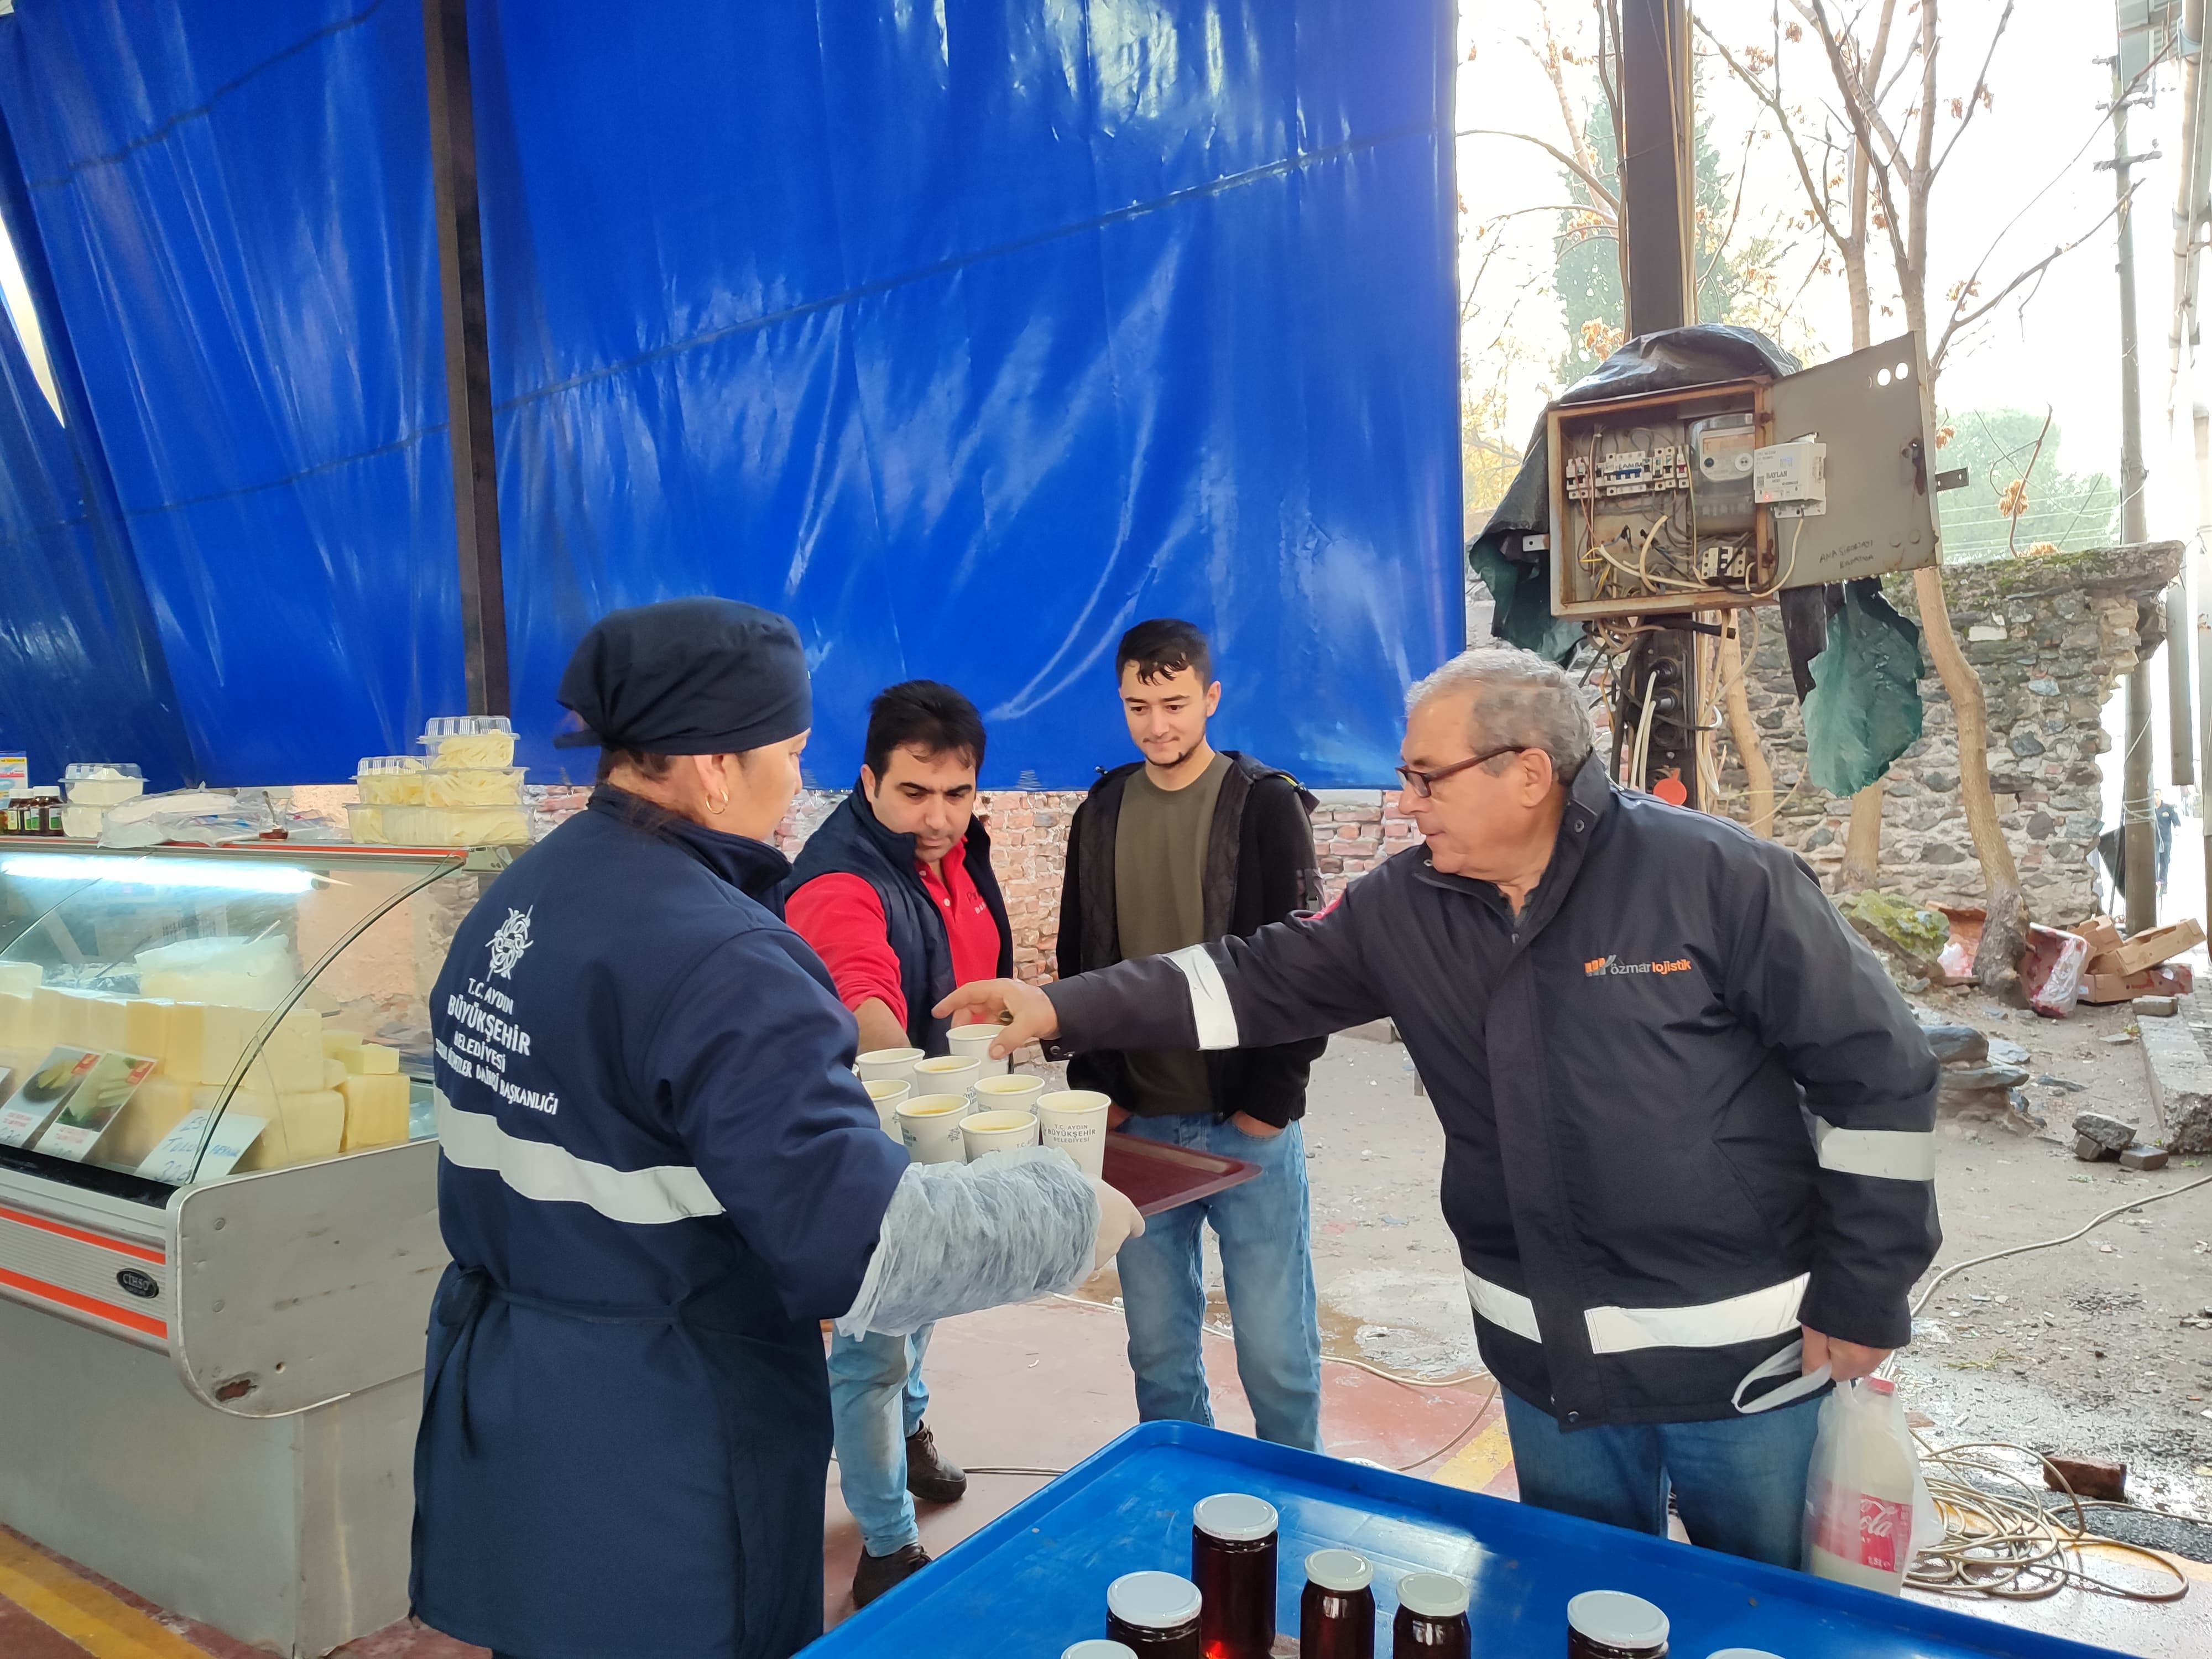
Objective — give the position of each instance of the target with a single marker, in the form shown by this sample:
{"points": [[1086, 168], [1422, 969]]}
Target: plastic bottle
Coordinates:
{"points": [[1859, 1493]]}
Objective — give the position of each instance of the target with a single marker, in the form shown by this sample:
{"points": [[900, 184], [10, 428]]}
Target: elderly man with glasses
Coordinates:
{"points": [[1688, 1121]]}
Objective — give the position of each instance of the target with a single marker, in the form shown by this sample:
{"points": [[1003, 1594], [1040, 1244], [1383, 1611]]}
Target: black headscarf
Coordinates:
{"points": [[688, 676]]}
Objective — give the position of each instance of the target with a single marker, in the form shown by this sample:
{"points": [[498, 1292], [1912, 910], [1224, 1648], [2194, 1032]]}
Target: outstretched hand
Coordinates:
{"points": [[1028, 1013]]}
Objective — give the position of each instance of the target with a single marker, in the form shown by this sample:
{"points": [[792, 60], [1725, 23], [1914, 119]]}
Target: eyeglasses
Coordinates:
{"points": [[1424, 784]]}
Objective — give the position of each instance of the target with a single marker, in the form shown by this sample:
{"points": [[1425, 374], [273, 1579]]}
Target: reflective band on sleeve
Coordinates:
{"points": [[1209, 998], [1745, 1318], [1892, 1154], [553, 1174], [1507, 1310]]}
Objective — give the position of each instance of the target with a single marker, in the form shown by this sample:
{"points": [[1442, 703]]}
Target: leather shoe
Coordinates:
{"points": [[930, 1475], [878, 1573]]}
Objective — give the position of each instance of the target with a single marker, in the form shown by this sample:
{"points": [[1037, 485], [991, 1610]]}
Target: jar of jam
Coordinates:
{"points": [[1154, 1615], [1097, 1647], [1431, 1622], [1336, 1614], [1614, 1624], [1232, 1561]]}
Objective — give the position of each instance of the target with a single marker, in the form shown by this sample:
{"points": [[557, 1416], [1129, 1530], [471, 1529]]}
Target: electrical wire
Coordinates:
{"points": [[2013, 1548]]}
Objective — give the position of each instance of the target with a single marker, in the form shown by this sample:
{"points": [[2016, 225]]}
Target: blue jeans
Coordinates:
{"points": [[877, 1399], [1267, 1269], [1739, 1483]]}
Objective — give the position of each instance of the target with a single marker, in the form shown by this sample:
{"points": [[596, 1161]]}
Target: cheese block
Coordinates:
{"points": [[15, 1021], [45, 1019], [146, 1028], [372, 1059], [314, 1123], [269, 1150], [20, 979], [206, 1038], [156, 1107], [375, 1110], [73, 1019], [334, 1073], [294, 1052], [104, 1025], [337, 1040]]}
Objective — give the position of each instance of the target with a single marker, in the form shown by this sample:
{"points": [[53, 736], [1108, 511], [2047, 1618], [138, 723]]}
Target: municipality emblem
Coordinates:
{"points": [[508, 944]]}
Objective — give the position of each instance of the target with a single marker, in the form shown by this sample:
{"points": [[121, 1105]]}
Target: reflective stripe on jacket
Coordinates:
{"points": [[1684, 1111]]}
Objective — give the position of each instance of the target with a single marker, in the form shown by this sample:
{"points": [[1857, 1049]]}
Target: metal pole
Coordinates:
{"points": [[2139, 856], [468, 354], [2200, 558], [1656, 164]]}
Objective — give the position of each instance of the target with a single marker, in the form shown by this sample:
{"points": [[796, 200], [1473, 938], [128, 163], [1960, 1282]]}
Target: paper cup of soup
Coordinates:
{"points": [[947, 1074], [1012, 1093], [995, 1132], [930, 1126], [887, 1065], [1074, 1119], [887, 1095], [974, 1042]]}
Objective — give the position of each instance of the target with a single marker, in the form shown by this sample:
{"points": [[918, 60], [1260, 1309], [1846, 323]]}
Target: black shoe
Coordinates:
{"points": [[878, 1573], [930, 1475]]}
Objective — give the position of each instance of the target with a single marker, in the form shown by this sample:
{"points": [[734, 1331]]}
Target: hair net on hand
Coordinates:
{"points": [[959, 1237]]}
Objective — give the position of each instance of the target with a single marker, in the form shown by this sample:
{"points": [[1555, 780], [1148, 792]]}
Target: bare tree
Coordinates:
{"points": [[1878, 175]]}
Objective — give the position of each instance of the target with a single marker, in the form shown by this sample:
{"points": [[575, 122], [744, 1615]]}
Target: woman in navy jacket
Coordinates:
{"points": [[659, 1173]]}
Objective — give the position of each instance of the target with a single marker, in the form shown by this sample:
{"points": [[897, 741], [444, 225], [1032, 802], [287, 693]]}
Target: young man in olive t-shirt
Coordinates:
{"points": [[1185, 847]]}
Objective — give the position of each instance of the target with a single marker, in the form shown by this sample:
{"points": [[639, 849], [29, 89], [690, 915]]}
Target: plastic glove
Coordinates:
{"points": [[1118, 1223]]}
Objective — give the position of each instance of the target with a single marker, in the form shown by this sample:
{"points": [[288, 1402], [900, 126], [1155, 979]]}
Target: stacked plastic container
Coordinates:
{"points": [[465, 792], [93, 786]]}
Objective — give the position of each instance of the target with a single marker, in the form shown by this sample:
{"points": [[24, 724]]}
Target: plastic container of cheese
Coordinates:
{"points": [[389, 781], [102, 783], [457, 742], [473, 785], [455, 826], [365, 823]]}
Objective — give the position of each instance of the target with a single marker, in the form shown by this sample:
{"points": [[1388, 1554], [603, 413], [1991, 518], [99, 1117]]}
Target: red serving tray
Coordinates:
{"points": [[1155, 1177]]}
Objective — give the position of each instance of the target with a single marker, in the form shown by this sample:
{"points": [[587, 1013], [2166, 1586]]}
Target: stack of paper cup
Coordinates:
{"points": [[887, 1095], [985, 1132], [1074, 1119], [947, 1074], [930, 1126], [974, 1042], [1012, 1093], [887, 1065]]}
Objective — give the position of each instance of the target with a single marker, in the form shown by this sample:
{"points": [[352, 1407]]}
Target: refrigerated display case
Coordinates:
{"points": [[218, 1217]]}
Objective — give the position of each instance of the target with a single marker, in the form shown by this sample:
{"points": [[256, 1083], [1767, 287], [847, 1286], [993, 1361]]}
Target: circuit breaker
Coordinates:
{"points": [[1706, 497]]}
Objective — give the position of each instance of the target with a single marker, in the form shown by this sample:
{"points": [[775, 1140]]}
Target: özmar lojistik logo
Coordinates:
{"points": [[1600, 967], [508, 944]]}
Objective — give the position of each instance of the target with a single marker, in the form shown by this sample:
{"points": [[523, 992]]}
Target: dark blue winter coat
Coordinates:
{"points": [[853, 841], [660, 1173]]}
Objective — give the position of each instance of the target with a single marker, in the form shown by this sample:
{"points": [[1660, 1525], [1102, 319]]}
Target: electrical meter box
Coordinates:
{"points": [[1705, 497]]}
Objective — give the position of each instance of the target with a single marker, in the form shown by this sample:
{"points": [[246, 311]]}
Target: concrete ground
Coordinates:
{"points": [[2085, 1354]]}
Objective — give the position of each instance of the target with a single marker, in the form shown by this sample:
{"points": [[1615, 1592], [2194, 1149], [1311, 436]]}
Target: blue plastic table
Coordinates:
{"points": [[1034, 1579]]}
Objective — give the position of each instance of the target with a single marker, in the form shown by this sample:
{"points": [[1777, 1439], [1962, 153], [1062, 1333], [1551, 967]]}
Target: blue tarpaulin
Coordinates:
{"points": [[966, 334]]}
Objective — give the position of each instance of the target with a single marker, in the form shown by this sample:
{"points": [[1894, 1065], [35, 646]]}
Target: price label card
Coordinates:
{"points": [[174, 1160], [53, 1083], [102, 1091]]}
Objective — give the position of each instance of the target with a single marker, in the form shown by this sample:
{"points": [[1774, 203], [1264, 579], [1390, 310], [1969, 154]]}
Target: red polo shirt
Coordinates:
{"points": [[841, 917]]}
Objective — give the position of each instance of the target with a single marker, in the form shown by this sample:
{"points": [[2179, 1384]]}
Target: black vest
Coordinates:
{"points": [[852, 841]]}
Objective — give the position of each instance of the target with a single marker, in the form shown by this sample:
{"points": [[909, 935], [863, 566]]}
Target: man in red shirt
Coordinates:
{"points": [[895, 894]]}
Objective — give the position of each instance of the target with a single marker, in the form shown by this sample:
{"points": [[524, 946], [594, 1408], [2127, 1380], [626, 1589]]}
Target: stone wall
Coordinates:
{"points": [[2052, 637]]}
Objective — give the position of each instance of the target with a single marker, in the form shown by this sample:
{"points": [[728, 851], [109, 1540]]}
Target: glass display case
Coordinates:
{"points": [[173, 1015]]}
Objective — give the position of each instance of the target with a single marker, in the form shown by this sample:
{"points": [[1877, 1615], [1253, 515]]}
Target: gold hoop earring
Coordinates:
{"points": [[717, 807]]}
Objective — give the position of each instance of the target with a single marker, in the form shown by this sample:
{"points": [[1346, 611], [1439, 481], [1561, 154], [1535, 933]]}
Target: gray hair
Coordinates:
{"points": [[1520, 699]]}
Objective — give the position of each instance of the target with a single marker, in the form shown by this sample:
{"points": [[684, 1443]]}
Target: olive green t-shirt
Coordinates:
{"points": [[1159, 905]]}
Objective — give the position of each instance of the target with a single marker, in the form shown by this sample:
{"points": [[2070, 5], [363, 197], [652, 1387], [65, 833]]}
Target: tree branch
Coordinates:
{"points": [[1974, 98], [1611, 202], [1962, 319], [1773, 100]]}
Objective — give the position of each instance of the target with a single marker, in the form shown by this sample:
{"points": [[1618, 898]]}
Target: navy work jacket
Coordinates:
{"points": [[658, 1174], [854, 841]]}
